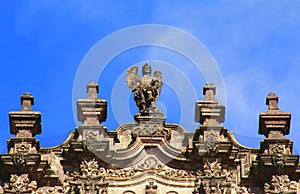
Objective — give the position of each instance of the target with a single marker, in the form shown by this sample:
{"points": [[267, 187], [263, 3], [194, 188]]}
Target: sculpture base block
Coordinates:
{"points": [[150, 125]]}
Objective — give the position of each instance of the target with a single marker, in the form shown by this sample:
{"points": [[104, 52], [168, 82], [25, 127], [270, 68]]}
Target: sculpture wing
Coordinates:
{"points": [[132, 77], [158, 76]]}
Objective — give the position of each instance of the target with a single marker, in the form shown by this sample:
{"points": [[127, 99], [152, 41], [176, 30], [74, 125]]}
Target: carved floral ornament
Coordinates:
{"points": [[91, 180], [214, 179], [281, 184], [19, 184], [91, 169]]}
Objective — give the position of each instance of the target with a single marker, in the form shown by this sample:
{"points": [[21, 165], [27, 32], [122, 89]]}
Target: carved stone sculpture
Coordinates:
{"points": [[90, 179], [216, 180], [281, 184], [20, 184], [278, 156], [56, 190], [151, 188], [145, 89]]}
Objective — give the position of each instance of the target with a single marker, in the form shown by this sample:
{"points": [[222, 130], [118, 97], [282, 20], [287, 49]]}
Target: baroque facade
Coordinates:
{"points": [[149, 156]]}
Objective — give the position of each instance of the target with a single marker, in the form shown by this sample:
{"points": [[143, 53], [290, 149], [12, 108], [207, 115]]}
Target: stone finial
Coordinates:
{"points": [[92, 110], [274, 123], [209, 90], [27, 101], [272, 101], [92, 90], [208, 111], [25, 123]]}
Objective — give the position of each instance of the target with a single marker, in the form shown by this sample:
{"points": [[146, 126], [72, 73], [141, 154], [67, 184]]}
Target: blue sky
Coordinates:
{"points": [[255, 44]]}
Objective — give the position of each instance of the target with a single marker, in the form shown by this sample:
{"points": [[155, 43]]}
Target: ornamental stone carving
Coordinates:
{"points": [[150, 127], [151, 188], [54, 190], [89, 169], [281, 184], [175, 173], [278, 155], [120, 173], [148, 164], [90, 179], [213, 169], [22, 148], [214, 179], [20, 184], [20, 159]]}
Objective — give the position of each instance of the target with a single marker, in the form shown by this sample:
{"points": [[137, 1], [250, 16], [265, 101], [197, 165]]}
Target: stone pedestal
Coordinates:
{"points": [[25, 124], [92, 111], [275, 150], [149, 125], [209, 113]]}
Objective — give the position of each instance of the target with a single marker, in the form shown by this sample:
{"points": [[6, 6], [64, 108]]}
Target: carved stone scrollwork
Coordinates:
{"points": [[210, 139], [278, 155], [20, 159], [90, 135], [151, 129], [120, 173], [149, 125], [56, 190], [179, 174], [281, 184], [149, 163], [20, 184], [22, 148]]}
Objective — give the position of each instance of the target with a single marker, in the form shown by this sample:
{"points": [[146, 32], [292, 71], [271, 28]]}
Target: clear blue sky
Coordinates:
{"points": [[256, 45]]}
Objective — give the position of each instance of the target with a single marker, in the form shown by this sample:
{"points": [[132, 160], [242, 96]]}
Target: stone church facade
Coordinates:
{"points": [[149, 156]]}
